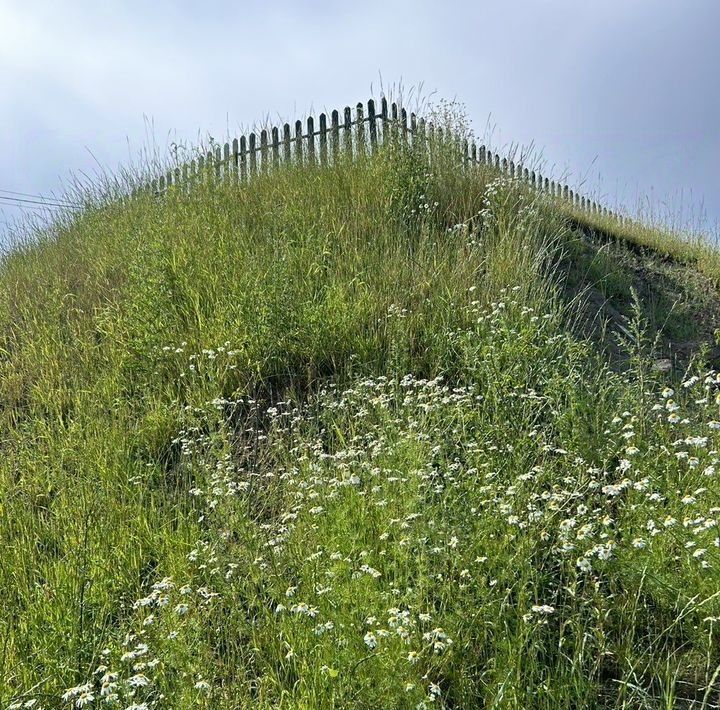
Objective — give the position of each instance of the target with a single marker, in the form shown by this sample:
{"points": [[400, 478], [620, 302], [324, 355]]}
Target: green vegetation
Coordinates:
{"points": [[339, 437]]}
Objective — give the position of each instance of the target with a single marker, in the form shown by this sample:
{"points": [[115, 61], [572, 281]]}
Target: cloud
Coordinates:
{"points": [[628, 83]]}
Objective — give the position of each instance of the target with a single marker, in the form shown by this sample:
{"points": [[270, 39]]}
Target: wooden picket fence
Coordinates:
{"points": [[361, 131]]}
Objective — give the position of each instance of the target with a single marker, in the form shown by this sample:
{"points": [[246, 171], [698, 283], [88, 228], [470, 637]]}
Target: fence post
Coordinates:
{"points": [[348, 132], [394, 121], [252, 149], [200, 175], [311, 140], [263, 150], [287, 157], [275, 147], [373, 125], [413, 130], [335, 134], [384, 119], [235, 155], [209, 162], [243, 158], [218, 162], [323, 140], [298, 142], [360, 121]]}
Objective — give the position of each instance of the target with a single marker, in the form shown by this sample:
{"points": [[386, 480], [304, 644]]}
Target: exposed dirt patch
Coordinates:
{"points": [[678, 303]]}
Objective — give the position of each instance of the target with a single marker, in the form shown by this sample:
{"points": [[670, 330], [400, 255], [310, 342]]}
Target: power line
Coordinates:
{"points": [[34, 196], [43, 201], [20, 201], [41, 198]]}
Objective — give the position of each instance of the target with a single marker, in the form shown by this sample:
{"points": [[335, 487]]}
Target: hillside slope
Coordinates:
{"points": [[351, 436]]}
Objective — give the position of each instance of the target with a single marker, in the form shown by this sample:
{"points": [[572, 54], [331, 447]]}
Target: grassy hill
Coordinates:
{"points": [[385, 433]]}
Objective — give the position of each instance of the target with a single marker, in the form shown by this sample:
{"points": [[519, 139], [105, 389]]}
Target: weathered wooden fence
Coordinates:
{"points": [[355, 132]]}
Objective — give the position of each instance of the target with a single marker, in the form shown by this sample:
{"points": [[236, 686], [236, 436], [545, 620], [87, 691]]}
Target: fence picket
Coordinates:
{"points": [[275, 147], [252, 151], [394, 114], [323, 140], [264, 151], [373, 126], [335, 135], [218, 162], [200, 176], [234, 158], [422, 132], [287, 156], [360, 127], [384, 118], [243, 158], [298, 142], [348, 132], [311, 140]]}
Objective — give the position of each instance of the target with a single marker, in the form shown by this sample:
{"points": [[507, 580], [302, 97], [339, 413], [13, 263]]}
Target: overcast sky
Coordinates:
{"points": [[624, 94]]}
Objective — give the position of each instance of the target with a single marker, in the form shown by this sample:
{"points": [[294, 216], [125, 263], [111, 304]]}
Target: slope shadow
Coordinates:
{"points": [[678, 303]]}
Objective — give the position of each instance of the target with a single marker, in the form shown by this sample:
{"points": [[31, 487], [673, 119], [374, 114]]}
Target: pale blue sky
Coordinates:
{"points": [[621, 93]]}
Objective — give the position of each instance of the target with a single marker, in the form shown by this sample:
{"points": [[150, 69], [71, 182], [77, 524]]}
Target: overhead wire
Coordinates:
{"points": [[43, 202], [23, 197]]}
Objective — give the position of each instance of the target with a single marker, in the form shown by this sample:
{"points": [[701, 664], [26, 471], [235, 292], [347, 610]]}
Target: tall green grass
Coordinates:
{"points": [[328, 439]]}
